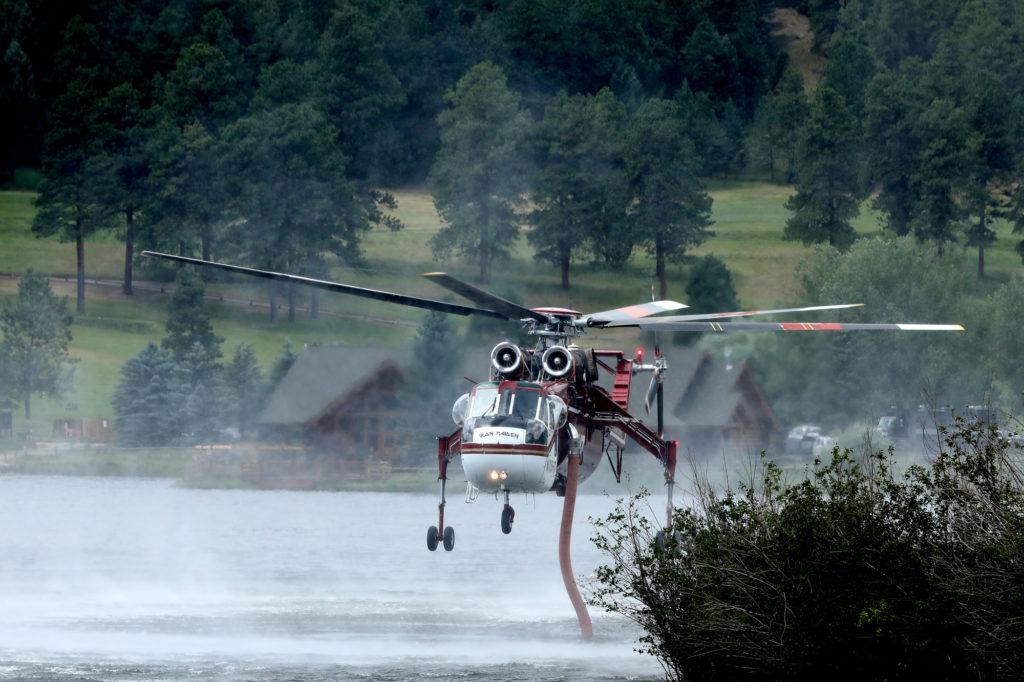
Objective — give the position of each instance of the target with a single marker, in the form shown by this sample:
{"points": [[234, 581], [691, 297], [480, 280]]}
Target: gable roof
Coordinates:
{"points": [[321, 375]]}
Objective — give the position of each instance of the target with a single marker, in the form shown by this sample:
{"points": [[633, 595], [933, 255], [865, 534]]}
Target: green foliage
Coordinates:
{"points": [[478, 179], [828, 184], [282, 364], [851, 573], [835, 378], [148, 399], [670, 211], [244, 386], [36, 328], [189, 331], [780, 118], [709, 286], [580, 194]]}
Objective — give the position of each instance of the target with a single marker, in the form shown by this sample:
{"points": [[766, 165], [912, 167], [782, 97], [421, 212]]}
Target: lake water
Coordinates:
{"points": [[112, 579]]}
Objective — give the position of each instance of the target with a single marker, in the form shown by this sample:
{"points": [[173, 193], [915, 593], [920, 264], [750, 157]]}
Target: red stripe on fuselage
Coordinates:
{"points": [[503, 449]]}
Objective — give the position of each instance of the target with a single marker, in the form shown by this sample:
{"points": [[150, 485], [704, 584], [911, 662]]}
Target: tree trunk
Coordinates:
{"points": [[314, 304], [771, 163], [205, 241], [28, 405], [291, 301], [80, 257], [485, 246], [129, 250], [564, 262], [982, 229], [659, 268], [272, 289]]}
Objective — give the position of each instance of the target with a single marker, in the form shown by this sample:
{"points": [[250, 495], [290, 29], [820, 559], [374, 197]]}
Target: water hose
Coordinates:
{"points": [[564, 546]]}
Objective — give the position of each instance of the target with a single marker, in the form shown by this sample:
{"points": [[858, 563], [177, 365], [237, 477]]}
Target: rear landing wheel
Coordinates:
{"points": [[507, 516], [449, 539], [432, 538]]}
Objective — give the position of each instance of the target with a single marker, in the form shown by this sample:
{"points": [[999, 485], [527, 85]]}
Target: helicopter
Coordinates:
{"points": [[541, 422]]}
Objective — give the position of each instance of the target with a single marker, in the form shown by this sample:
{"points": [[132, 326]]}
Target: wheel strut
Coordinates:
{"points": [[440, 532]]}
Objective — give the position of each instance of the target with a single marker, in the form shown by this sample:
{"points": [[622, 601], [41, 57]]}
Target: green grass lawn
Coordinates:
{"points": [[749, 219]]}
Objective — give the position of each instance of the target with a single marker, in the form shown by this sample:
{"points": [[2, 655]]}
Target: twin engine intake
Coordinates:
{"points": [[511, 362]]}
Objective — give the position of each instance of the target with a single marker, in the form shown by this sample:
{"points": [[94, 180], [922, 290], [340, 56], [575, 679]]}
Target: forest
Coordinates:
{"points": [[273, 133]]}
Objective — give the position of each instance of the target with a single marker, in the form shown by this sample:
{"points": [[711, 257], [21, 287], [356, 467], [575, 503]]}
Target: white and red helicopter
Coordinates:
{"points": [[542, 423]]}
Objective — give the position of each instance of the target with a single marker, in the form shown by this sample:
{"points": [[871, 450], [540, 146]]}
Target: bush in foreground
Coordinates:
{"points": [[853, 573]]}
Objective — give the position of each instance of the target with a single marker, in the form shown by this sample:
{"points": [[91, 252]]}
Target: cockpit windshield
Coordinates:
{"points": [[512, 406]]}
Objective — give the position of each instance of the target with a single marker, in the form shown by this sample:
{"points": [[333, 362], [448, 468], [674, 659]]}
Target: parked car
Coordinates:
{"points": [[823, 446], [801, 439]]}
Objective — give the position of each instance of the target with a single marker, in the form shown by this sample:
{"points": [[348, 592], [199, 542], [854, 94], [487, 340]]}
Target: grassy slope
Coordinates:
{"points": [[749, 218]]}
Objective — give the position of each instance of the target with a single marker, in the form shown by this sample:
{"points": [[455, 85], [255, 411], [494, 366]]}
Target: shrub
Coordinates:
{"points": [[852, 573]]}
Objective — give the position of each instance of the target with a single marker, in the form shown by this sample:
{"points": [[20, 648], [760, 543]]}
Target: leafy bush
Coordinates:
{"points": [[853, 573]]}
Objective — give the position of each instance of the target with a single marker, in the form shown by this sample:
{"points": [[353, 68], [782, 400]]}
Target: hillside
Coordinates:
{"points": [[749, 217]]}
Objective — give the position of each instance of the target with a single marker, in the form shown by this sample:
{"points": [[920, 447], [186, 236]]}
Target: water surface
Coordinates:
{"points": [[104, 578]]}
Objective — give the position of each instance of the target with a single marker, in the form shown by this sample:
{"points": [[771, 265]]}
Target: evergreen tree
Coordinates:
{"points": [[245, 390], [67, 199], [360, 93], [828, 187], [670, 210], [282, 364], [123, 165], [780, 117], [148, 399], [189, 332], [478, 179], [289, 184], [709, 286], [36, 328], [580, 190]]}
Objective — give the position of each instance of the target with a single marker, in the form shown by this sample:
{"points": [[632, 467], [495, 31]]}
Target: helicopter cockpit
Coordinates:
{"points": [[518, 411]]}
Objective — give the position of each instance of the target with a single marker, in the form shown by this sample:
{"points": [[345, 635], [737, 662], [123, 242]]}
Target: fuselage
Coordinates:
{"points": [[511, 436]]}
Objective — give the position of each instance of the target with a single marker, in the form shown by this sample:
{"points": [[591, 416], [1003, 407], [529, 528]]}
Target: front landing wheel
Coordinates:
{"points": [[432, 538], [449, 539], [507, 516]]}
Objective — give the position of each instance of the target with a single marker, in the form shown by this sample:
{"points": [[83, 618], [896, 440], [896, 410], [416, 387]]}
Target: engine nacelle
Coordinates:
{"points": [[507, 358], [557, 361]]}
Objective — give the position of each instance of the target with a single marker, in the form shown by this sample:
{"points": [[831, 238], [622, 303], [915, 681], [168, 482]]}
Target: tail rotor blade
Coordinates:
{"points": [[652, 390]]}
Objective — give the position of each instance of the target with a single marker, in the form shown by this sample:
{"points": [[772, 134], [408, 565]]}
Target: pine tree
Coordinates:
{"points": [[282, 364], [670, 210], [478, 180], [149, 398], [243, 381], [36, 329], [828, 186], [67, 200], [581, 193], [189, 332]]}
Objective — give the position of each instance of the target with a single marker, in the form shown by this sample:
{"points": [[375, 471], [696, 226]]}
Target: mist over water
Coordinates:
{"points": [[104, 578]]}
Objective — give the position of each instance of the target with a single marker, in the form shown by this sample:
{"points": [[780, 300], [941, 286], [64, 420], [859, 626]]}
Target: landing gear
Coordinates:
{"points": [[447, 536], [508, 515]]}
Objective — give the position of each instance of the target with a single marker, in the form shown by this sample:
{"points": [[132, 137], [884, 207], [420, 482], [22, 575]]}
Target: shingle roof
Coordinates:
{"points": [[322, 374], [319, 376]]}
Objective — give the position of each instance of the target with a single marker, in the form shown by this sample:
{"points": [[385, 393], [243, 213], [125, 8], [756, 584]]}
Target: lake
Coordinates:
{"points": [[112, 579]]}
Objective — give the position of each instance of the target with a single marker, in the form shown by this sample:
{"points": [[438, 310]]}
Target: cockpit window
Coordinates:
{"points": [[512, 406]]}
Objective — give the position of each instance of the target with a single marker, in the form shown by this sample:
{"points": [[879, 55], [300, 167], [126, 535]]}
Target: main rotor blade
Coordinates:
{"points": [[390, 297], [741, 313], [670, 325], [505, 308], [628, 314]]}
